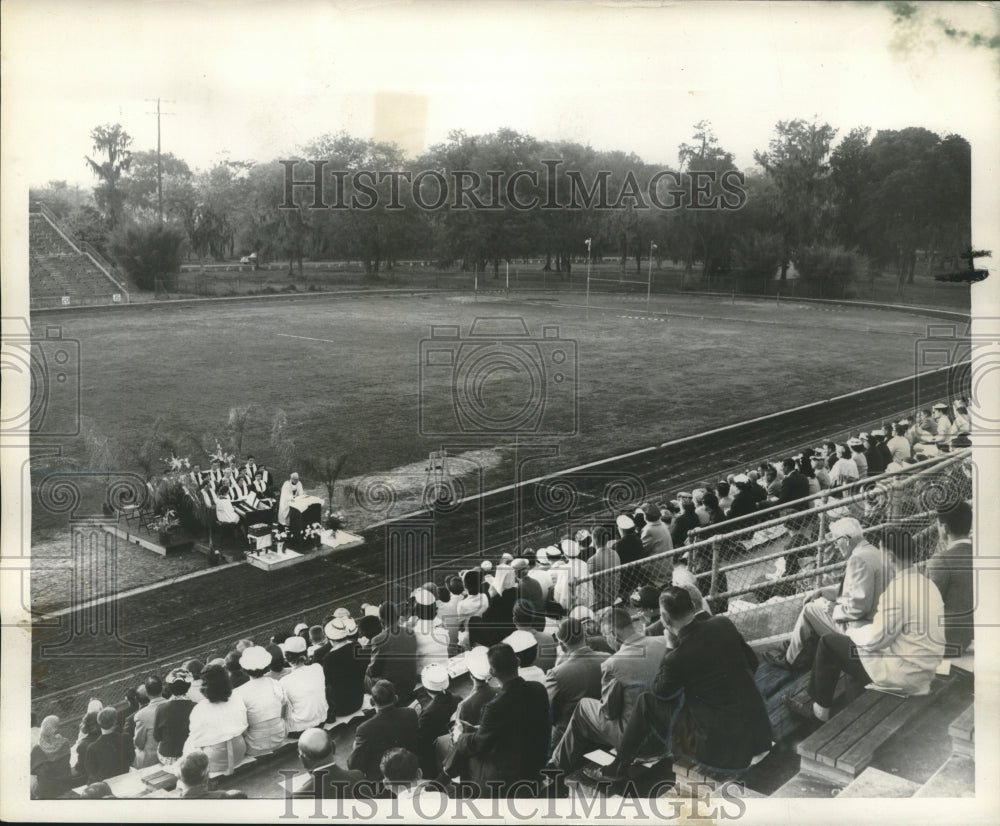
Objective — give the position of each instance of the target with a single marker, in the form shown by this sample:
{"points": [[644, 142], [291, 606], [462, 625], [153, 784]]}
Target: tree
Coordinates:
{"points": [[704, 234], [796, 161], [111, 144], [140, 187], [327, 471]]}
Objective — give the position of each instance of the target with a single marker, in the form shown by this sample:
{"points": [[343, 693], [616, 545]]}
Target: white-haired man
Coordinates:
{"points": [[839, 608]]}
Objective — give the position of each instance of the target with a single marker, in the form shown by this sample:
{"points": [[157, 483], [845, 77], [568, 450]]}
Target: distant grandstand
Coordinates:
{"points": [[65, 272]]}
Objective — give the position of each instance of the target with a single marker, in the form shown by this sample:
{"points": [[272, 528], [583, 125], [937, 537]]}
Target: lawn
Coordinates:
{"points": [[346, 371]]}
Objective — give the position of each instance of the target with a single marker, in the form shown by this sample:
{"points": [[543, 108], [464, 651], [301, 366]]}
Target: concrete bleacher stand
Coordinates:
{"points": [[65, 272]]}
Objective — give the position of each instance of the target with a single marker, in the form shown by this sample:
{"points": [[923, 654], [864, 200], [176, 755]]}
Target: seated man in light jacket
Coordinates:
{"points": [[839, 608], [899, 650], [625, 675]]}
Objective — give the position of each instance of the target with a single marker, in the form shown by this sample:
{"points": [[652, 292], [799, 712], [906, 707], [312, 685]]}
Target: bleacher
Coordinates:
{"points": [[878, 744], [62, 273]]}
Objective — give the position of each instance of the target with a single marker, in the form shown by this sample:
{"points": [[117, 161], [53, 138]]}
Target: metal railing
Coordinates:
{"points": [[750, 571]]}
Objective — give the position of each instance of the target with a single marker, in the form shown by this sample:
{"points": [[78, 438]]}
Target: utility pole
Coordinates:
{"points": [[159, 161]]}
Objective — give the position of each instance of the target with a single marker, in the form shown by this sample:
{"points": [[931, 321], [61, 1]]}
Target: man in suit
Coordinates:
{"points": [[950, 569], [527, 620], [577, 675], [794, 484], [327, 780], [624, 676], [391, 727], [145, 720], [704, 705], [343, 668], [109, 755], [394, 654], [435, 714], [655, 535], [629, 549], [512, 742], [838, 608]]}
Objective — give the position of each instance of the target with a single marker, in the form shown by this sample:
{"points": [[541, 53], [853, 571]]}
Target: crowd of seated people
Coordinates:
{"points": [[637, 660]]}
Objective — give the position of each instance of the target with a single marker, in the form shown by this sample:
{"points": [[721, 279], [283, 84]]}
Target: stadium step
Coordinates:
{"points": [[844, 747], [877, 783], [956, 778]]}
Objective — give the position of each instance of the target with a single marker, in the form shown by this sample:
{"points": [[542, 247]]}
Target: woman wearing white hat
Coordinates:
{"points": [[430, 633], [305, 689], [265, 702], [344, 668], [435, 715]]}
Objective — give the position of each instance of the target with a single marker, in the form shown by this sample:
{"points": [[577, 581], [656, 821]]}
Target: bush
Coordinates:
{"points": [[148, 253], [830, 271]]}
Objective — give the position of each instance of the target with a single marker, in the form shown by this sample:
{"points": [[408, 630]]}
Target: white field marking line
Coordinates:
{"points": [[141, 589], [670, 443], [307, 338]]}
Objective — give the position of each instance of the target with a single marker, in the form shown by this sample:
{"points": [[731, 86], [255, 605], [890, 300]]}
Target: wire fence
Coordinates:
{"points": [[756, 568]]}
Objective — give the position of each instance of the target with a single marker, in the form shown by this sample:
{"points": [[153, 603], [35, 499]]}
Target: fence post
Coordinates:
{"points": [[713, 588]]}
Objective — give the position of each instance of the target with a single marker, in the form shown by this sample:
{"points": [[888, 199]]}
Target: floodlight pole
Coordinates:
{"points": [[587, 242], [649, 286]]}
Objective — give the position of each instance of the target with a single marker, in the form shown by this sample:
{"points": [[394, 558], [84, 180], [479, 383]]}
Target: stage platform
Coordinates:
{"points": [[150, 541], [330, 541]]}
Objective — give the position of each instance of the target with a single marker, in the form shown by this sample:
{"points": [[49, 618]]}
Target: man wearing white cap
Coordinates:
{"points": [[838, 609], [629, 549], [525, 646], [432, 637], [305, 688], [435, 713], [470, 710], [528, 589], [540, 573], [568, 587], [265, 700], [343, 668]]}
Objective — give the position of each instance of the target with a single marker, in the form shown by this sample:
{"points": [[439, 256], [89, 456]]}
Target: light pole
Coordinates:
{"points": [[587, 242], [649, 286]]}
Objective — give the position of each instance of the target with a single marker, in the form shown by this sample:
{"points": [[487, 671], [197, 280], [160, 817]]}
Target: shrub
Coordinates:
{"points": [[147, 253], [830, 271]]}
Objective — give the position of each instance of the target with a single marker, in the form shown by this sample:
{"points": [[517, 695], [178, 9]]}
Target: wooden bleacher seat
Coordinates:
{"points": [[366, 706], [842, 748], [243, 765]]}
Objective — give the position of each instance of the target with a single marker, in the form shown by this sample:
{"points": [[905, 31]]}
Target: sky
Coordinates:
{"points": [[256, 80]]}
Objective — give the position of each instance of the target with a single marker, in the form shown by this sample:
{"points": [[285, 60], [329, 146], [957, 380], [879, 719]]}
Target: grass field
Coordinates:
{"points": [[346, 370]]}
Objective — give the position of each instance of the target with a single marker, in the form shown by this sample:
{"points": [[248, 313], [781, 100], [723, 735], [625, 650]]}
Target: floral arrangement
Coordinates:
{"points": [[220, 454], [313, 531], [167, 523], [280, 534], [334, 521], [175, 464]]}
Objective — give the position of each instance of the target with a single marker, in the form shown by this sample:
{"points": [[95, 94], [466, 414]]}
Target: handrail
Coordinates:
{"points": [[924, 464], [934, 462], [84, 248]]}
